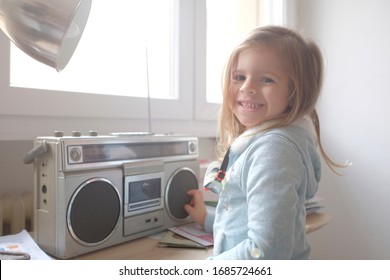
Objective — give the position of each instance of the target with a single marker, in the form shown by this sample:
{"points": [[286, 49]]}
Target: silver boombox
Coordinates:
{"points": [[92, 192]]}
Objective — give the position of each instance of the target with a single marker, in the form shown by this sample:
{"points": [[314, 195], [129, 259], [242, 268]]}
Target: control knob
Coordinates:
{"points": [[76, 133], [58, 133]]}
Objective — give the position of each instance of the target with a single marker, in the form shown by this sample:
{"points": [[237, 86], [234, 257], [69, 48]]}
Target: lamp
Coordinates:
{"points": [[46, 30]]}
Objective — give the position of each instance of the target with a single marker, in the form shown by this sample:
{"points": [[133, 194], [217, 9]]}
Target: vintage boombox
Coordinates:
{"points": [[92, 192]]}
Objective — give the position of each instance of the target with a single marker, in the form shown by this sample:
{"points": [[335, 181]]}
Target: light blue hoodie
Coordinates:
{"points": [[261, 209]]}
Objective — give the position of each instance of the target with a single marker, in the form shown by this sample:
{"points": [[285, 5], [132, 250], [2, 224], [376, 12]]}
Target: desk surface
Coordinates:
{"points": [[147, 248], [316, 221]]}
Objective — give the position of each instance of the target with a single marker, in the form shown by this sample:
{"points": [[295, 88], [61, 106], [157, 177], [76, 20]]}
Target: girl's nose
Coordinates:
{"points": [[248, 87]]}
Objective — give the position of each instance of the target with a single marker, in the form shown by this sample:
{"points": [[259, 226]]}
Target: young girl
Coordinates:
{"points": [[269, 125]]}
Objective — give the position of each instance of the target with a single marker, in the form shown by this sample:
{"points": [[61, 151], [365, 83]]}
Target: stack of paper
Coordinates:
{"points": [[22, 242]]}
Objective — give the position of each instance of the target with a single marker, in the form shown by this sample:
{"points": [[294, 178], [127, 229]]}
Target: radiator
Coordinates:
{"points": [[16, 213]]}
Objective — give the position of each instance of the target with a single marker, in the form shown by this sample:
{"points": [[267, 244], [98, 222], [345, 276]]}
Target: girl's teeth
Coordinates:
{"points": [[250, 105]]}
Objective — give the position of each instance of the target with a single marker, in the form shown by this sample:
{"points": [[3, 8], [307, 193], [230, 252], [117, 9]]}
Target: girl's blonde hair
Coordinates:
{"points": [[305, 70]]}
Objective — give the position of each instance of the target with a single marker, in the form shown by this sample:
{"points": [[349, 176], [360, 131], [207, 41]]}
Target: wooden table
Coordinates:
{"points": [[147, 248]]}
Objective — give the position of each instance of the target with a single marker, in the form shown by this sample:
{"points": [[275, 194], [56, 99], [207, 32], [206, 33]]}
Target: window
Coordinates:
{"points": [[117, 78], [121, 52], [165, 48], [111, 53]]}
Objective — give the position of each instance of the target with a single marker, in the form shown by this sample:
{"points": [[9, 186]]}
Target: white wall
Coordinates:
{"points": [[355, 114]]}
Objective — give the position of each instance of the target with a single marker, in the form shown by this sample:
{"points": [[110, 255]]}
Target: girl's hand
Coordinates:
{"points": [[196, 208]]}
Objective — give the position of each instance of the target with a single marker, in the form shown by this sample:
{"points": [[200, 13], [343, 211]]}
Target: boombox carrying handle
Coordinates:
{"points": [[37, 151]]}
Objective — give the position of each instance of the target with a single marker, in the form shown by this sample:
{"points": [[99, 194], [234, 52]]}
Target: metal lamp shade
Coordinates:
{"points": [[47, 30]]}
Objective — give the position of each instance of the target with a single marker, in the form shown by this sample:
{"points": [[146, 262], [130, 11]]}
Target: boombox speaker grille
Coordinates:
{"points": [[178, 185], [93, 211]]}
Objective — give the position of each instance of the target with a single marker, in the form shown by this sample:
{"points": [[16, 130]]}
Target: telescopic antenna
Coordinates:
{"points": [[148, 88]]}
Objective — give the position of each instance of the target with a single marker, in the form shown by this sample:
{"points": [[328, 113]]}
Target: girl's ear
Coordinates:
{"points": [[293, 91], [291, 99]]}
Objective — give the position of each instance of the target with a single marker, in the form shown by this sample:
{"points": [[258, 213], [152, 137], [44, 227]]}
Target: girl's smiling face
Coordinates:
{"points": [[260, 86]]}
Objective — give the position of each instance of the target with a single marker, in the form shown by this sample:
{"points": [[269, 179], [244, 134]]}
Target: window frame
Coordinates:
{"points": [[203, 110], [74, 104]]}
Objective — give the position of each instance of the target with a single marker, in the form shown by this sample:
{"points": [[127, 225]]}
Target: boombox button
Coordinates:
{"points": [[75, 154], [192, 147], [58, 133], [76, 133]]}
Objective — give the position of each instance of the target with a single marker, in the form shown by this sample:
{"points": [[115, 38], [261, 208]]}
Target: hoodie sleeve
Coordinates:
{"points": [[209, 222]]}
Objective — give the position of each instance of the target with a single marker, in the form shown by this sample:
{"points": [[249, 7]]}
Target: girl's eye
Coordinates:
{"points": [[238, 77], [267, 80]]}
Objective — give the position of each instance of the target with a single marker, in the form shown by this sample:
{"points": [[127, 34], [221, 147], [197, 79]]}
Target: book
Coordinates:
{"points": [[171, 239], [194, 232]]}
